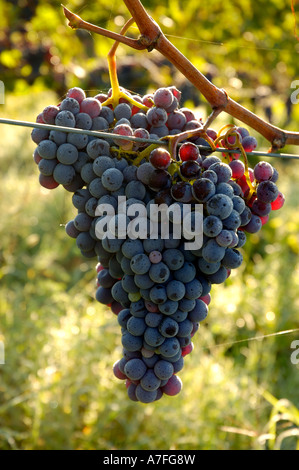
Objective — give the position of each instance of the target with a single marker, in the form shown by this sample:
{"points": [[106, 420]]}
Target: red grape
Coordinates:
{"points": [[91, 106], [254, 225], [47, 182], [148, 100], [101, 97], [155, 257], [160, 158], [163, 197], [243, 132], [176, 120], [263, 171], [36, 156], [191, 125], [39, 119], [49, 114], [163, 97], [212, 134], [238, 168], [76, 93], [264, 219], [188, 151], [187, 349], [189, 115], [173, 386], [249, 143], [177, 94], [206, 299], [279, 202], [125, 130]]}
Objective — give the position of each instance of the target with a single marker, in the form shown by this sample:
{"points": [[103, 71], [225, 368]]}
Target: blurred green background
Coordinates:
{"points": [[57, 390]]}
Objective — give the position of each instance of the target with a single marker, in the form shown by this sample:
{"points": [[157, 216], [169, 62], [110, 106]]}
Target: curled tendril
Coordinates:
{"points": [[232, 132]]}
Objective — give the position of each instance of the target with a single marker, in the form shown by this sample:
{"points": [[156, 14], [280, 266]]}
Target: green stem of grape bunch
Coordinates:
{"points": [[116, 92]]}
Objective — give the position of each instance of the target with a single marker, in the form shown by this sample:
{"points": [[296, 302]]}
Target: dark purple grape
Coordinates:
{"points": [[156, 116], [163, 197], [263, 171], [163, 97], [275, 176], [182, 192], [223, 171], [190, 169], [245, 216], [254, 225], [176, 120], [210, 175], [267, 191], [261, 208], [203, 189], [210, 161], [159, 179]]}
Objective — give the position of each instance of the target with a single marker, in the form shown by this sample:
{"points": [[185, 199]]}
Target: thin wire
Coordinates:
{"points": [[253, 338], [50, 127], [214, 43], [222, 44], [110, 135]]}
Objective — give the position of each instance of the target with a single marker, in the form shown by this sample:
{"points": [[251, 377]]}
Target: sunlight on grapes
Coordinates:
{"points": [[57, 386]]}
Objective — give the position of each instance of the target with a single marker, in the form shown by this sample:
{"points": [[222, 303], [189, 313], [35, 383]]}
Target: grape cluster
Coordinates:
{"points": [[159, 290]]}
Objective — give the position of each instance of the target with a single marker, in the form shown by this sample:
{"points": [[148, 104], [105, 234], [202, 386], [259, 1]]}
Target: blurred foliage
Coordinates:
{"points": [[57, 390]]}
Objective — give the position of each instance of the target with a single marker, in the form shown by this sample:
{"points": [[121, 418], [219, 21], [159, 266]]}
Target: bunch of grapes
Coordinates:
{"points": [[158, 288]]}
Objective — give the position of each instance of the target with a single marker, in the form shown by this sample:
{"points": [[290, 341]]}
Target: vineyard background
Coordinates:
{"points": [[56, 388]]}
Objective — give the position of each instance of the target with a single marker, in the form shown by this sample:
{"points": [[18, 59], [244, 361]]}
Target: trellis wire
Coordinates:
{"points": [[109, 135], [252, 338]]}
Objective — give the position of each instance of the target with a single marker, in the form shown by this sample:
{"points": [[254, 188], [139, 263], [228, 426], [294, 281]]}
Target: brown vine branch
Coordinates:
{"points": [[75, 22], [152, 37]]}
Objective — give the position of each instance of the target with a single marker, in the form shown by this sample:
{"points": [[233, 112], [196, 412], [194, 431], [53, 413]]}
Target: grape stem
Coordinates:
{"points": [[151, 37], [232, 132], [214, 114], [117, 93], [174, 140]]}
